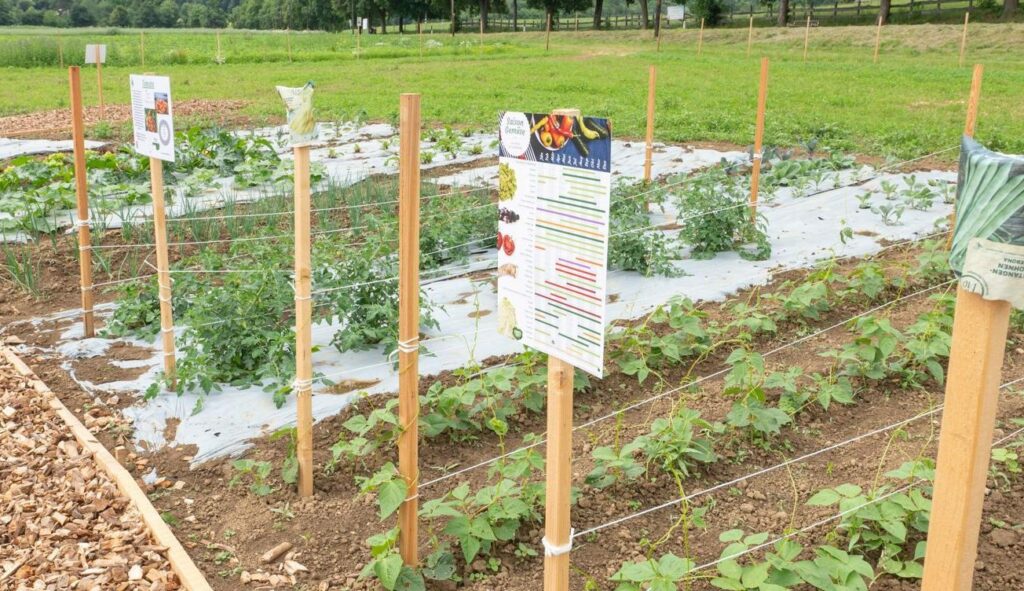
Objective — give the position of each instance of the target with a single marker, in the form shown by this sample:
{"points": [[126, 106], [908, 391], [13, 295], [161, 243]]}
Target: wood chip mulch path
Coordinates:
{"points": [[63, 522]]}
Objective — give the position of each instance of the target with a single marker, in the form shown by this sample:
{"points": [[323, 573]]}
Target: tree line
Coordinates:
{"points": [[335, 15]]}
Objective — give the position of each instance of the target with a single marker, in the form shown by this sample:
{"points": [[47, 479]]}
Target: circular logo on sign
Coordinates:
{"points": [[515, 134], [164, 131]]}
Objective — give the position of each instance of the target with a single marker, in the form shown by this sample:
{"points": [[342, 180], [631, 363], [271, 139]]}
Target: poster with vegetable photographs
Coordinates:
{"points": [[554, 192], [152, 117]]}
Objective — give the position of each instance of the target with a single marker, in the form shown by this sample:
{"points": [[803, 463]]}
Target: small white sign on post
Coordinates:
{"points": [[677, 13], [152, 116], [554, 194], [91, 51]]}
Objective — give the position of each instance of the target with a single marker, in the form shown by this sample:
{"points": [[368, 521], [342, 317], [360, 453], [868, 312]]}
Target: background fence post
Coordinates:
{"points": [[60, 51], [750, 34], [755, 173], [878, 39], [963, 38], [409, 320], [547, 37], [303, 324], [82, 201], [99, 79], [807, 36], [965, 443], [652, 80], [163, 278], [700, 38]]}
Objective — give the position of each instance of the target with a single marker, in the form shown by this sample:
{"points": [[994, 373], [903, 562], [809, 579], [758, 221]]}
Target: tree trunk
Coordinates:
{"points": [[598, 6], [383, 22], [515, 15], [883, 10], [455, 23], [1010, 8], [401, 25], [645, 21], [784, 12], [657, 19], [484, 6]]}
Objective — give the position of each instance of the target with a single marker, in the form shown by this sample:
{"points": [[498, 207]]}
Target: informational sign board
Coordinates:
{"points": [[90, 54], [988, 241], [554, 193], [152, 116], [677, 13], [299, 102]]}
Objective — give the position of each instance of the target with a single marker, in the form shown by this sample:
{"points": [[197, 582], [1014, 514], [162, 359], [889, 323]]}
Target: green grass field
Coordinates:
{"points": [[912, 102]]}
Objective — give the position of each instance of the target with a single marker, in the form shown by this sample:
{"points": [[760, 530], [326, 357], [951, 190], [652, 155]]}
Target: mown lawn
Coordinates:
{"points": [[912, 102]]}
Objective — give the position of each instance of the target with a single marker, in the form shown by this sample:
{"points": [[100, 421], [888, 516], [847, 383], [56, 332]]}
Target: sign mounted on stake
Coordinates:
{"points": [[299, 102], [677, 13], [988, 241], [554, 192], [94, 51], [152, 116]]}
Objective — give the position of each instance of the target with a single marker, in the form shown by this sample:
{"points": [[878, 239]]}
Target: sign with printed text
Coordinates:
{"points": [[152, 116], [94, 51], [677, 13], [554, 194]]}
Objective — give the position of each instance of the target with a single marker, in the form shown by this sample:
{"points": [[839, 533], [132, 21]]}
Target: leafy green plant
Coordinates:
{"points": [[716, 218], [663, 574], [257, 472]]}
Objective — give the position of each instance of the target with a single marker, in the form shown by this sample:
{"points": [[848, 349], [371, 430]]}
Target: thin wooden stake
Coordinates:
{"points": [[557, 530], [142, 48], [970, 122], [878, 38], [963, 39], [60, 51], [288, 40], [750, 34], [807, 36], [652, 78], [660, 35], [156, 177], [409, 321], [965, 441], [762, 99], [82, 201], [700, 38], [220, 58], [303, 324], [547, 38], [99, 79]]}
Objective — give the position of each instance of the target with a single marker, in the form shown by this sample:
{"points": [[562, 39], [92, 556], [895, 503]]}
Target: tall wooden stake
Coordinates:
{"points": [[547, 38], [142, 48], [409, 321], [82, 201], [762, 99], [750, 34], [156, 177], [557, 529], [970, 122], [303, 324], [652, 78], [60, 51], [700, 38], [807, 36], [965, 441], [220, 58], [288, 41], [99, 79], [878, 38], [963, 38]]}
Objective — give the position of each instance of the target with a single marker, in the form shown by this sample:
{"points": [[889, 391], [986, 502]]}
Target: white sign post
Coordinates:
{"points": [[152, 118], [97, 54]]}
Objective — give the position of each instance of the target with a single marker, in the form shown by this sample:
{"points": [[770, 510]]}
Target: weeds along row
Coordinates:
{"points": [[708, 401]]}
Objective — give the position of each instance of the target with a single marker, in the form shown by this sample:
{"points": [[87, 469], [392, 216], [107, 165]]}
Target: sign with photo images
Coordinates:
{"points": [[152, 116], [554, 194]]}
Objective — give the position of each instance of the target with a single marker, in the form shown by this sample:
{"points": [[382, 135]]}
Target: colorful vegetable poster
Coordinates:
{"points": [[152, 116], [554, 191]]}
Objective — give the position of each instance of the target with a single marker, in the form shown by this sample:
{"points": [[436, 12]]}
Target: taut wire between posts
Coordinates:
{"points": [[755, 173], [82, 202], [303, 324], [408, 322]]}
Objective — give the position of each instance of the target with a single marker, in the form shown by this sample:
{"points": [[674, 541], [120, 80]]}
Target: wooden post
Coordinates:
{"points": [[660, 35], [965, 441], [807, 36], [82, 201], [99, 78], [963, 39], [142, 48], [557, 530], [547, 38], [163, 277], [220, 58], [303, 324], [60, 51], [700, 38], [970, 122], [750, 34], [409, 321], [755, 176], [878, 38], [288, 41], [652, 78]]}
